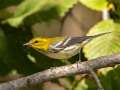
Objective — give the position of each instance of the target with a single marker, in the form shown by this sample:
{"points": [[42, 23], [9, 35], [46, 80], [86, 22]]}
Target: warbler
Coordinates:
{"points": [[60, 47]]}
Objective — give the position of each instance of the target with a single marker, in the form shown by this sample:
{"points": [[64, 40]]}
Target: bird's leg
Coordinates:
{"points": [[80, 58]]}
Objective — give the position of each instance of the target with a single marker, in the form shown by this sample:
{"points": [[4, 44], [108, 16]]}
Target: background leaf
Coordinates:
{"points": [[98, 5], [29, 7], [104, 45], [115, 14], [86, 84]]}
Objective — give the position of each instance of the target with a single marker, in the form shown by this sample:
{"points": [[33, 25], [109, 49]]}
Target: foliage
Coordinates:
{"points": [[105, 46], [95, 4], [29, 7], [16, 29]]}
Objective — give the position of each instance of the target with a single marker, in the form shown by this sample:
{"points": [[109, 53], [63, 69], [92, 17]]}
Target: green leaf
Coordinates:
{"points": [[105, 78], [98, 5], [65, 5], [104, 45], [29, 7], [116, 13], [86, 84], [110, 77], [115, 75]]}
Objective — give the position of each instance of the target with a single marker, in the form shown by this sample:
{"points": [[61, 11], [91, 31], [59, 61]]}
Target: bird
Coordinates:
{"points": [[61, 47]]}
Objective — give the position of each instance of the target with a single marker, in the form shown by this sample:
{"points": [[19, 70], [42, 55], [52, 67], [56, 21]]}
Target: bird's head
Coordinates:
{"points": [[39, 43]]}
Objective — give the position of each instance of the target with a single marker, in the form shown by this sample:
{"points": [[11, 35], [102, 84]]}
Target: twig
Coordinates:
{"points": [[92, 72], [60, 72], [97, 80]]}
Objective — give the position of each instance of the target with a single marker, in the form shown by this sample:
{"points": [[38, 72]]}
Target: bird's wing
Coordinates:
{"points": [[67, 42], [70, 41]]}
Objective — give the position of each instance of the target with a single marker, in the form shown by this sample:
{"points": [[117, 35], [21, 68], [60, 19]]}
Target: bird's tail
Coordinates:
{"points": [[97, 35]]}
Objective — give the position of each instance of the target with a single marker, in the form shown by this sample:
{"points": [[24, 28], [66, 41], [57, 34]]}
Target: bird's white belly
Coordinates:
{"points": [[64, 54]]}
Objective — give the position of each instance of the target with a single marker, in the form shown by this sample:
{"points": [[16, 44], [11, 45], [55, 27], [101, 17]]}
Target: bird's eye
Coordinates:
{"points": [[36, 41]]}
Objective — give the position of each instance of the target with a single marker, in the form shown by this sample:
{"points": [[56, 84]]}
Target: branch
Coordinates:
{"points": [[57, 72]]}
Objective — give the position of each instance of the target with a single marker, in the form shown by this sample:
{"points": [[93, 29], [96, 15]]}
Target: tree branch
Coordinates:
{"points": [[57, 72]]}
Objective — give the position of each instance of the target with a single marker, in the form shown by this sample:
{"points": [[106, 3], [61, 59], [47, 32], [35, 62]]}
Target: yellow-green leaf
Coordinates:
{"points": [[104, 45], [98, 5], [29, 7], [85, 84]]}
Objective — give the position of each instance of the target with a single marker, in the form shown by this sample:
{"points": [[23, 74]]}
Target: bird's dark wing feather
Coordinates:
{"points": [[69, 41], [74, 40]]}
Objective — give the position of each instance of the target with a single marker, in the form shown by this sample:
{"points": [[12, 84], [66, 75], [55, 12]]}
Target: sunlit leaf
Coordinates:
{"points": [[95, 4], [104, 45]]}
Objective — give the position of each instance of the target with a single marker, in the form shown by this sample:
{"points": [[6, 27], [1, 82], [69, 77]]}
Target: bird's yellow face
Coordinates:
{"points": [[39, 43]]}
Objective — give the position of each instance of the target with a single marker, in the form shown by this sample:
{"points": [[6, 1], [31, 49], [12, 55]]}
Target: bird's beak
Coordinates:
{"points": [[27, 44]]}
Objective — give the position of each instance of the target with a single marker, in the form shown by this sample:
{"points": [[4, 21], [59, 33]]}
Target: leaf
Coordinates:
{"points": [[116, 13], [29, 7], [115, 75], [104, 45], [65, 6], [86, 84], [98, 5], [105, 77], [110, 77]]}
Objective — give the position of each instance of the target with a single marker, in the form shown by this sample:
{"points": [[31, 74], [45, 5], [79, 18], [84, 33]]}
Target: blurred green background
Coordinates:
{"points": [[21, 20]]}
